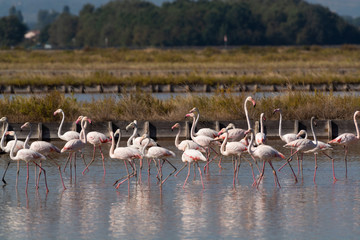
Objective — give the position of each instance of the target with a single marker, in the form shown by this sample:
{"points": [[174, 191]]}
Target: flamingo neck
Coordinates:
{"points": [[82, 133], [192, 132], [197, 120], [222, 148], [12, 156], [2, 143], [26, 143], [313, 132], [357, 127], [145, 146], [177, 141], [247, 114], [61, 124], [111, 152], [280, 126], [132, 136], [250, 150], [261, 123]]}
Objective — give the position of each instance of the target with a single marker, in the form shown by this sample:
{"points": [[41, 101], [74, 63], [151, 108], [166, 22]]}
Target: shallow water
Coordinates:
{"points": [[92, 208]]}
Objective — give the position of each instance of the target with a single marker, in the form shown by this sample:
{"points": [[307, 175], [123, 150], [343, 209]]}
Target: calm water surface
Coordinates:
{"points": [[92, 209]]}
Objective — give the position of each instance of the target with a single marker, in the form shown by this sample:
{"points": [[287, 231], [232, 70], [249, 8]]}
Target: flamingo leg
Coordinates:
{"points": [[67, 161], [316, 166], [70, 165], [75, 167], [3, 177], [345, 159], [17, 173], [27, 176], [252, 171], [92, 160], [187, 175], [202, 182], [332, 160], [288, 160], [171, 172], [180, 169], [276, 179], [235, 170], [42, 169], [127, 171], [261, 175], [103, 160], [59, 168]]}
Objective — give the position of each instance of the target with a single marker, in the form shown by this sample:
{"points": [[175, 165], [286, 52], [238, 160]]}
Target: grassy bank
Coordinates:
{"points": [[266, 65], [142, 106]]}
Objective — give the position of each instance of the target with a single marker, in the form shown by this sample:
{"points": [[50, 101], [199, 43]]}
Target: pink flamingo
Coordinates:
{"points": [[96, 139], [76, 145], [67, 136], [204, 141], [235, 149], [192, 156], [301, 145], [44, 148], [190, 144], [27, 155], [158, 153], [235, 134], [265, 153], [203, 131], [7, 148], [260, 137], [122, 153], [347, 139]]}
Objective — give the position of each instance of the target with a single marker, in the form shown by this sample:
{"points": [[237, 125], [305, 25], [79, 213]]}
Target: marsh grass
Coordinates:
{"points": [[222, 106]]}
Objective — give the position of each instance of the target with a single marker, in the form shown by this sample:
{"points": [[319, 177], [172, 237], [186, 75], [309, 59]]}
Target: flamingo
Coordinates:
{"points": [[203, 131], [67, 136], [158, 153], [320, 148], [235, 149], [75, 145], [204, 141], [289, 137], [302, 145], [190, 144], [96, 139], [192, 156], [235, 134], [7, 148], [28, 156], [122, 153], [261, 136], [265, 153], [45, 148], [347, 139]]}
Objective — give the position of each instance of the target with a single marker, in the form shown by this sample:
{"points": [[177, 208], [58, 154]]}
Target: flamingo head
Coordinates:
{"points": [[58, 111], [230, 125], [190, 115], [3, 119], [277, 110], [130, 125], [222, 131], [262, 115], [356, 113], [25, 125], [251, 99], [176, 125], [80, 118], [10, 133], [301, 132], [194, 109]]}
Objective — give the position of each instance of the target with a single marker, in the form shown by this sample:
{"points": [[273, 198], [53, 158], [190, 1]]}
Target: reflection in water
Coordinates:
{"points": [[92, 209]]}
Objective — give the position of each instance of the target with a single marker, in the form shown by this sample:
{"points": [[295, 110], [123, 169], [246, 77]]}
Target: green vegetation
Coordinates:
{"points": [[262, 65], [142, 106]]}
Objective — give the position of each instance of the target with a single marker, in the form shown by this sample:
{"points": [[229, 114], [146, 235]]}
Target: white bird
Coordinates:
{"points": [[28, 156], [123, 153], [96, 139], [158, 153], [43, 147], [204, 141], [7, 148], [260, 137], [301, 145], [347, 139], [185, 144], [235, 134], [137, 141], [235, 149], [265, 153], [192, 156], [203, 131], [76, 145]]}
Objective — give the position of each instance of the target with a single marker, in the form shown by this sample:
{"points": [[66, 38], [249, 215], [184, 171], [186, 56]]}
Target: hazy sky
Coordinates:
{"points": [[30, 8]]}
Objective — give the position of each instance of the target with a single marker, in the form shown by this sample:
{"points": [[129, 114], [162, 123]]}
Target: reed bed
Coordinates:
{"points": [[222, 106]]}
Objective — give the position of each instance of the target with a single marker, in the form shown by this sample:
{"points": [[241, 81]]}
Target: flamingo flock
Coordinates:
{"points": [[205, 145]]}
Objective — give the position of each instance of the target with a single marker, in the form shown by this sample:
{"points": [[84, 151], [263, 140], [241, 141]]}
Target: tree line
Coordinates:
{"points": [[138, 23]]}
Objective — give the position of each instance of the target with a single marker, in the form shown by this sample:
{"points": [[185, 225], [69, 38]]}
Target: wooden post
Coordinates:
{"points": [[187, 130], [110, 126], [217, 126], [296, 126], [147, 128], [256, 127], [40, 132], [329, 129]]}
